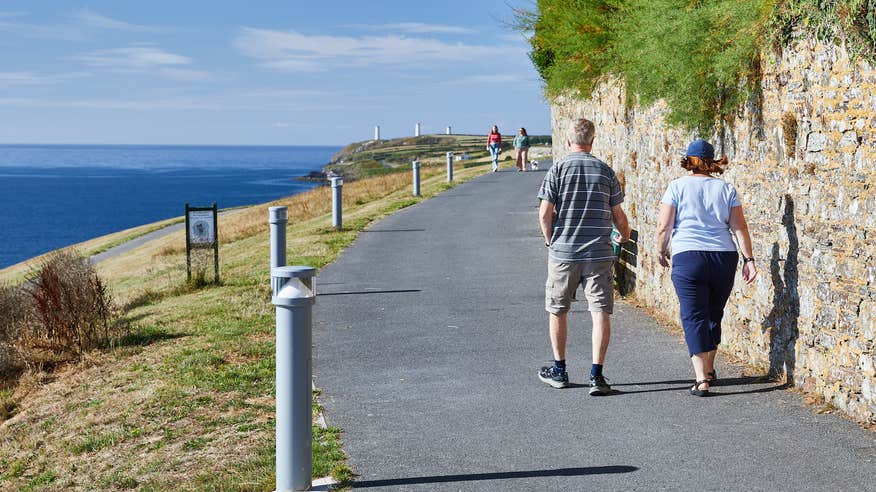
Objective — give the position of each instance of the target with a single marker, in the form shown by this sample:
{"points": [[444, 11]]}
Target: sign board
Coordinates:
{"points": [[202, 224], [201, 228]]}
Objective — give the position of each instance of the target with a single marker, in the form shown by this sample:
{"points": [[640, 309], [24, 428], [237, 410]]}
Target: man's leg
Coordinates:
{"points": [[558, 329], [598, 287], [601, 335], [557, 300]]}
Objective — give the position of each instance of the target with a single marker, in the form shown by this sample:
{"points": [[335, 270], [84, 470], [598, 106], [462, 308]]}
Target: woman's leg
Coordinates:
{"points": [[690, 278], [494, 155], [519, 161], [525, 152], [723, 274]]}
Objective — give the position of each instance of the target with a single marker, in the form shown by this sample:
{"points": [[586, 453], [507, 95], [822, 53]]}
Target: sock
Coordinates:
{"points": [[560, 365], [595, 370]]}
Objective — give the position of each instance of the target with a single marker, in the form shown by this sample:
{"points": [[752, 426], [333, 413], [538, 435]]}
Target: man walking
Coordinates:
{"points": [[580, 200]]}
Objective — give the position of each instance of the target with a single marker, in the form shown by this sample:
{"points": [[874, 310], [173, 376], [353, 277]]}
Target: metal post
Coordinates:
{"points": [[416, 166], [294, 294], [277, 217], [449, 167], [337, 192]]}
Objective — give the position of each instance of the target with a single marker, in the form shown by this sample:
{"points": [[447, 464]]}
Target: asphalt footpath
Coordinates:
{"points": [[428, 334]]}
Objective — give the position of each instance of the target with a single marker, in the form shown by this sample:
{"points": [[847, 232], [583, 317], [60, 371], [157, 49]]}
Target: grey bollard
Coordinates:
{"points": [[294, 294], [277, 218], [416, 166], [449, 167], [337, 192]]}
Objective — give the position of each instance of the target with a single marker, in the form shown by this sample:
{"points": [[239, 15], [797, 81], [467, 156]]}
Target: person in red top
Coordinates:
{"points": [[494, 145]]}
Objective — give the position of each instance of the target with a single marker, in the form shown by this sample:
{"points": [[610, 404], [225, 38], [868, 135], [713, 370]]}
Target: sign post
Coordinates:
{"points": [[202, 232]]}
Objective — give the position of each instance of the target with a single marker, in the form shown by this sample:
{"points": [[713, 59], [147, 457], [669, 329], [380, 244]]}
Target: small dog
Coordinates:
{"points": [[533, 165]]}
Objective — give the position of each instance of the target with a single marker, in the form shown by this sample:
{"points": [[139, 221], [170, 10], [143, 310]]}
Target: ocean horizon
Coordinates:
{"points": [[56, 195]]}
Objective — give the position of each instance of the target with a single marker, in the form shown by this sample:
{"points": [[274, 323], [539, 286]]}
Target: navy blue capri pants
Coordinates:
{"points": [[703, 281]]}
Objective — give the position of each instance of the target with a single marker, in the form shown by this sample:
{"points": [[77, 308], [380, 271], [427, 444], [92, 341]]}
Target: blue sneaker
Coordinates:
{"points": [[550, 375], [599, 387]]}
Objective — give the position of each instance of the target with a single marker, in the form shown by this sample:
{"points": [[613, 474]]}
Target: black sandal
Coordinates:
{"points": [[712, 378], [696, 391]]}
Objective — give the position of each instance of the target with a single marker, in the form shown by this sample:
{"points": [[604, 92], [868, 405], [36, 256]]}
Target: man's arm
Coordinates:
{"points": [[546, 212], [619, 218]]}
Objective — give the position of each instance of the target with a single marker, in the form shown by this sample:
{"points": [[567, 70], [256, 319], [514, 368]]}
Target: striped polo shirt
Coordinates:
{"points": [[583, 189]]}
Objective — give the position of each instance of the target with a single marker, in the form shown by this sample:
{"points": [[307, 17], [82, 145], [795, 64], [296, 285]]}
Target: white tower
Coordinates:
{"points": [[417, 130], [448, 130], [377, 132]]}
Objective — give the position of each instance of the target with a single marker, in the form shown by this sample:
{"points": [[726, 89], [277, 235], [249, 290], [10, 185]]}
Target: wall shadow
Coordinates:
{"points": [[783, 317], [627, 255], [473, 477]]}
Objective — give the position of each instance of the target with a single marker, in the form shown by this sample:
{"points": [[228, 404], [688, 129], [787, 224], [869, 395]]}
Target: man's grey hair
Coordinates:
{"points": [[582, 132]]}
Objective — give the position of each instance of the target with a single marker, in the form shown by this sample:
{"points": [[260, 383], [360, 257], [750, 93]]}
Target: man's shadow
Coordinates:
{"points": [[782, 319]]}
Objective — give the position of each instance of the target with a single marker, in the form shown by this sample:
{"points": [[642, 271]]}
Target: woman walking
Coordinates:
{"points": [[494, 145], [521, 144], [700, 216]]}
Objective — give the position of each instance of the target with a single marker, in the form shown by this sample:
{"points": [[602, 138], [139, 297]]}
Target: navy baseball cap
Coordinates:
{"points": [[702, 149]]}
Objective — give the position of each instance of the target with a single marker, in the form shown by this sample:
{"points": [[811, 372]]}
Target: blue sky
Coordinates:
{"points": [[261, 72]]}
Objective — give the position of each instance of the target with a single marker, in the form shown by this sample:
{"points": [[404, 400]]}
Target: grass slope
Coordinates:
{"points": [[186, 401]]}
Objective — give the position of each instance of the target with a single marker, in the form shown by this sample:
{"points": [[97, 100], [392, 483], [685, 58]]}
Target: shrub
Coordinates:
{"points": [[701, 57], [70, 312], [14, 312]]}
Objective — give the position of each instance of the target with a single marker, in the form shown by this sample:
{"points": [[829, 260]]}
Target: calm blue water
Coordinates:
{"points": [[56, 195]]}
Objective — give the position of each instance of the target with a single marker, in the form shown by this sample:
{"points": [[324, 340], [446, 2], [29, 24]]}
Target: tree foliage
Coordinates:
{"points": [[701, 56]]}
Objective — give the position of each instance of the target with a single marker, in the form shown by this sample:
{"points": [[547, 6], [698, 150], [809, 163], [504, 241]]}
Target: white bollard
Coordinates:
{"points": [[294, 294], [449, 167], [337, 192], [277, 218], [416, 166]]}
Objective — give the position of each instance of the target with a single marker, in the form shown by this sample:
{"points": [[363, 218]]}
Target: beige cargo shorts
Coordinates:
{"points": [[563, 279]]}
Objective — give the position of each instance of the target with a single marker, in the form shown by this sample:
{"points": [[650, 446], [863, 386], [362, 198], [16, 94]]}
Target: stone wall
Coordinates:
{"points": [[803, 163]]}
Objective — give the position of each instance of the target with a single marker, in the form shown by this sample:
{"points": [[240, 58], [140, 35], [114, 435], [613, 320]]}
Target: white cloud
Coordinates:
{"points": [[9, 79], [184, 74], [132, 58], [10, 23], [294, 51], [417, 28], [93, 19]]}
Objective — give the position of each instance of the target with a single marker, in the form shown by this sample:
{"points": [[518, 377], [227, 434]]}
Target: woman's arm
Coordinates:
{"points": [[739, 228], [665, 223]]}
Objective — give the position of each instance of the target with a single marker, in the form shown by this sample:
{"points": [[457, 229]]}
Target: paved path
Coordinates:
{"points": [[428, 334]]}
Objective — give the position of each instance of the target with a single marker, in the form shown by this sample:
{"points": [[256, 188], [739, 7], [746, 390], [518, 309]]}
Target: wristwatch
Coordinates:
{"points": [[746, 260]]}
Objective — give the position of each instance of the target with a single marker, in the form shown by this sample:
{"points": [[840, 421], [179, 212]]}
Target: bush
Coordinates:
{"points": [[58, 315], [702, 58], [14, 312]]}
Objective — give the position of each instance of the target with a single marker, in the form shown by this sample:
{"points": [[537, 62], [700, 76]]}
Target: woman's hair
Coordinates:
{"points": [[702, 165], [523, 131], [494, 129]]}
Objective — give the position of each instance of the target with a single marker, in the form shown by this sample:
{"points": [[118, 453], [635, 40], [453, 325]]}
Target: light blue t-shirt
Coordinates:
{"points": [[702, 214]]}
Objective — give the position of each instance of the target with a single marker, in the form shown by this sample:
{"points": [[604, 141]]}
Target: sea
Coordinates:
{"points": [[53, 196]]}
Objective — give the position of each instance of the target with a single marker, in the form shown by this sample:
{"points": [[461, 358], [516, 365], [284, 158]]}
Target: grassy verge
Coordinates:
{"points": [[16, 273], [186, 401]]}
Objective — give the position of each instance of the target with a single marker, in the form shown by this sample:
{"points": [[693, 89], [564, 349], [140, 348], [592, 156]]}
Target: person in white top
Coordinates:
{"points": [[700, 218]]}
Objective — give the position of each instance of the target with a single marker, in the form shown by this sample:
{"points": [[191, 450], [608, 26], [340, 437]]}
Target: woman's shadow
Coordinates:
{"points": [[782, 319]]}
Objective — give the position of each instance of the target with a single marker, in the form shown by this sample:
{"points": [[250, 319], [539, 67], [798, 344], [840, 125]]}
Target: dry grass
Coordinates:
{"points": [[185, 402]]}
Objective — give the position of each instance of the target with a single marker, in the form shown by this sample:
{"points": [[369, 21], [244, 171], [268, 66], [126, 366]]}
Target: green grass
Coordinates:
{"points": [[185, 401]]}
